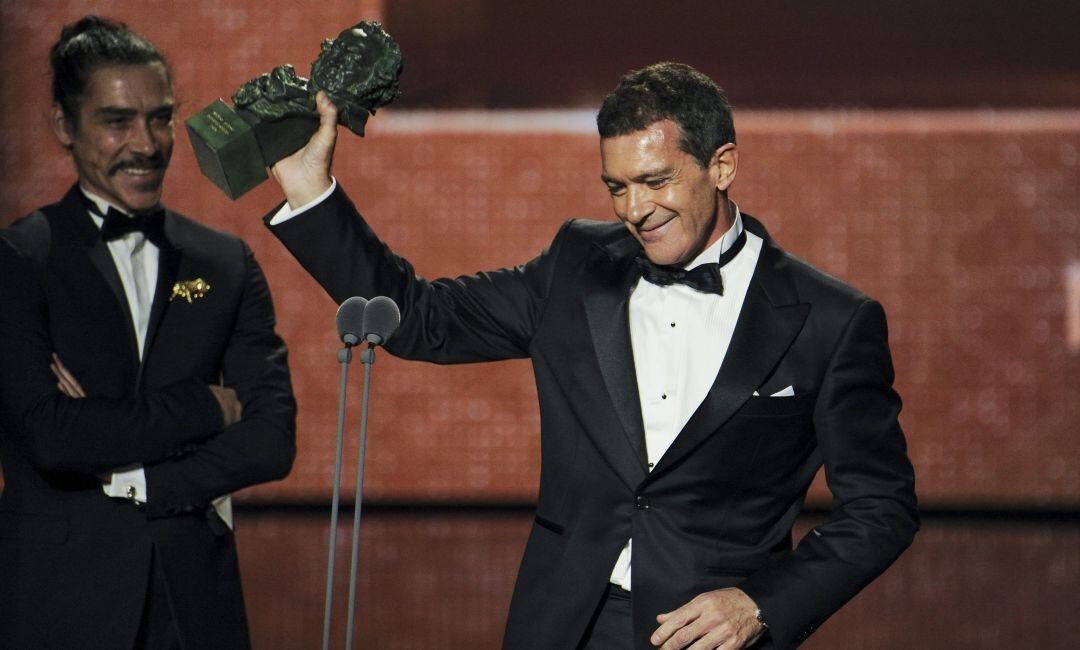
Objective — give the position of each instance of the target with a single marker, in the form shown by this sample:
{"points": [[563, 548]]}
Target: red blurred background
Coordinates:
{"points": [[928, 155]]}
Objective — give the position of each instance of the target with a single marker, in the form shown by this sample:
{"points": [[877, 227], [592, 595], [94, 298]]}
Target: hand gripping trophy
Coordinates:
{"points": [[275, 112]]}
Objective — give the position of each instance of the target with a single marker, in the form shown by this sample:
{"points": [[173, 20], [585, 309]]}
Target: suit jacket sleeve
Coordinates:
{"points": [[482, 317], [867, 470], [262, 445], [92, 435]]}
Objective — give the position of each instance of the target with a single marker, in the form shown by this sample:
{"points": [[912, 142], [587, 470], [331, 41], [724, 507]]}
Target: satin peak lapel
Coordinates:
{"points": [[82, 229], [169, 258], [768, 323], [103, 261], [607, 306]]}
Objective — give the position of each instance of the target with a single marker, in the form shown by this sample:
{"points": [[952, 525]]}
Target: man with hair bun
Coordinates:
{"points": [[141, 381]]}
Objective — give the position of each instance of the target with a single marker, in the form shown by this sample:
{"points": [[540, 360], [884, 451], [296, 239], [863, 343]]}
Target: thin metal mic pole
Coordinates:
{"points": [[344, 357], [367, 357]]}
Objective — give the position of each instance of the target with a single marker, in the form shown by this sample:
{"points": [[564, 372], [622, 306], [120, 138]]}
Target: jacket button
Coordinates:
{"points": [[641, 503]]}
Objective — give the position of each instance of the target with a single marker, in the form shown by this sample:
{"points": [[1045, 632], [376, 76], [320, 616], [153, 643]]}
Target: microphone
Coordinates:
{"points": [[381, 318], [350, 328], [351, 320]]}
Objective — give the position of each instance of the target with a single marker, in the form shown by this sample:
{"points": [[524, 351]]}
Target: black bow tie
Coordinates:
{"points": [[705, 277], [150, 224]]}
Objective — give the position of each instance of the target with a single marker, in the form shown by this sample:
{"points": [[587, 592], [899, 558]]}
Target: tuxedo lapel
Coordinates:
{"points": [[101, 258], [770, 319], [74, 220], [169, 258], [608, 284]]}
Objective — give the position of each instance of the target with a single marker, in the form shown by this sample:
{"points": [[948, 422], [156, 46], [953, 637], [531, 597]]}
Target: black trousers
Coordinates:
{"points": [[157, 631], [612, 626]]}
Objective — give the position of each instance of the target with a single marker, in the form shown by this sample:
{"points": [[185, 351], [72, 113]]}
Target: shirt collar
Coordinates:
{"points": [[103, 206], [719, 247]]}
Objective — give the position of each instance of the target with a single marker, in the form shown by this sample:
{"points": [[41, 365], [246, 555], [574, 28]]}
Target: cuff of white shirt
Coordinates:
{"points": [[223, 506], [127, 484], [286, 212]]}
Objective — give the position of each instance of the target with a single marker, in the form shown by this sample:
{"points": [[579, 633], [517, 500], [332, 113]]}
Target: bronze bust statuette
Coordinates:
{"points": [[275, 112]]}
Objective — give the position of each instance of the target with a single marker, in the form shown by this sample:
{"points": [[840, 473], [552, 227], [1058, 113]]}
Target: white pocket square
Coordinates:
{"points": [[783, 392]]}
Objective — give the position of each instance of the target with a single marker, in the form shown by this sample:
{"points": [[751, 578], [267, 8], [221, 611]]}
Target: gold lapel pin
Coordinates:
{"points": [[190, 289]]}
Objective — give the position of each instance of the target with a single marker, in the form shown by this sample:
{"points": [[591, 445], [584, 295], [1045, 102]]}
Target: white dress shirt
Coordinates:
{"points": [[286, 212], [136, 259], [679, 338]]}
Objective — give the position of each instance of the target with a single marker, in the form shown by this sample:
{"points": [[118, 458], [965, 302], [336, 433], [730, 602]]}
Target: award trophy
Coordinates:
{"points": [[275, 112]]}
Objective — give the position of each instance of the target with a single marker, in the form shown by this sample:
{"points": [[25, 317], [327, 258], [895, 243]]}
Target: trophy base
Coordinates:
{"points": [[227, 149], [280, 138]]}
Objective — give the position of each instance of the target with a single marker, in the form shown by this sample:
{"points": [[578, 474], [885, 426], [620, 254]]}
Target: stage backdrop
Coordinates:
{"points": [[962, 222], [948, 189]]}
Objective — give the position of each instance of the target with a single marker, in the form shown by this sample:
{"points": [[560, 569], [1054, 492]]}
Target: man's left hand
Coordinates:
{"points": [[65, 381], [725, 618]]}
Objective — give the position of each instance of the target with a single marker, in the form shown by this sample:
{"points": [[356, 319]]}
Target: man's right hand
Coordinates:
{"points": [[305, 175], [231, 409]]}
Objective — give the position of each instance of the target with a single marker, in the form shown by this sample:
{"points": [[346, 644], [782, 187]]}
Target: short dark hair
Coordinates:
{"points": [[88, 44], [670, 91]]}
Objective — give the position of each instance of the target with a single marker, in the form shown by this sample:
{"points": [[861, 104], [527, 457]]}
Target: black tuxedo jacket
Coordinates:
{"points": [[74, 563], [718, 508]]}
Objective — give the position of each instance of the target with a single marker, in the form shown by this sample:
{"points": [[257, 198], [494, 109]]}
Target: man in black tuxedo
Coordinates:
{"points": [[141, 381], [692, 379]]}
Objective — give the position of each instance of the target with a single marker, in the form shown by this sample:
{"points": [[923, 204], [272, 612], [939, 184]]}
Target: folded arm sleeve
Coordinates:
{"points": [[262, 445], [94, 434]]}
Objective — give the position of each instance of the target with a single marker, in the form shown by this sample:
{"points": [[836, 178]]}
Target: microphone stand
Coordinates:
{"points": [[344, 356], [367, 357]]}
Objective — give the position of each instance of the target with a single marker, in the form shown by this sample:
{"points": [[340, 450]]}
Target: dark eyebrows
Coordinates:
{"points": [[123, 111], [645, 177], [165, 109], [115, 111]]}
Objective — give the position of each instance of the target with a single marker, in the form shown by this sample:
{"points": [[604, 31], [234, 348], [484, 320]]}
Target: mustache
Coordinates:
{"points": [[138, 162]]}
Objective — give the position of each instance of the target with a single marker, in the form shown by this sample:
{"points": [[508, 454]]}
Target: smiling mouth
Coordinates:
{"points": [[654, 231], [143, 167]]}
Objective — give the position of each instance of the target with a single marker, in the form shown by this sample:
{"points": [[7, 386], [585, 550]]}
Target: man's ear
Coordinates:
{"points": [[725, 164], [62, 126]]}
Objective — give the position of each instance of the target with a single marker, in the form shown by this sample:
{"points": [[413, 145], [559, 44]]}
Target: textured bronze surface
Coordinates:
{"points": [[275, 112]]}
